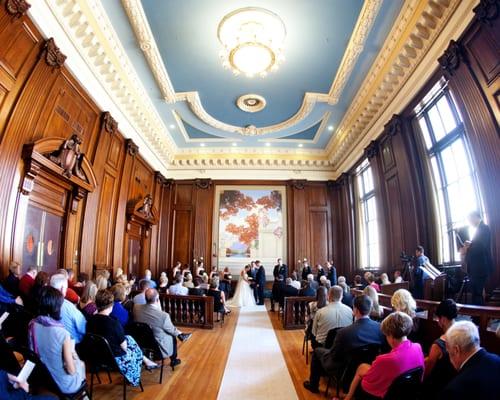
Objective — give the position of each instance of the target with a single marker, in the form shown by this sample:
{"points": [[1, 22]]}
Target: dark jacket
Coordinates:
{"points": [[280, 270], [478, 379], [260, 276], [478, 257], [306, 271], [307, 291], [362, 332], [332, 275]]}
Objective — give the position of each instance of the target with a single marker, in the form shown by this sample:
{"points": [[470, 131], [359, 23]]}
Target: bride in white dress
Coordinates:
{"points": [[243, 296]]}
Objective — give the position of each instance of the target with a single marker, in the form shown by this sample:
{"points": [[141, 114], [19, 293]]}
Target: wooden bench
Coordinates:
{"points": [[429, 326], [295, 312], [390, 288], [192, 311]]}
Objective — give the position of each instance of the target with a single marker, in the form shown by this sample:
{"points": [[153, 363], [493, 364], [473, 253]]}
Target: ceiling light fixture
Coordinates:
{"points": [[252, 41], [300, 145], [268, 144], [172, 126], [202, 144], [234, 145], [330, 128]]}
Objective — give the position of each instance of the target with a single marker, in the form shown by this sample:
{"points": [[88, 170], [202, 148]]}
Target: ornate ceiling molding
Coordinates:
{"points": [[417, 27], [147, 43], [87, 26]]}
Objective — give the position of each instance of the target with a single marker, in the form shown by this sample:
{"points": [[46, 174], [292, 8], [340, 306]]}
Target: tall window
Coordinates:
{"points": [[368, 234], [455, 182]]}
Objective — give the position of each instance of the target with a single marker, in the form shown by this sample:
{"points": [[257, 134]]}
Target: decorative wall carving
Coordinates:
{"points": [[203, 183], [298, 184], [53, 55], [487, 10], [371, 150], [394, 126], [69, 157], [17, 7], [452, 57], [132, 148], [110, 124]]}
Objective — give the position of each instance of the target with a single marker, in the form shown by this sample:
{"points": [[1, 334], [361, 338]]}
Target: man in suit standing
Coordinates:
{"points": [[331, 273], [260, 280], [306, 270], [362, 332], [166, 334], [252, 273], [478, 257], [478, 370], [320, 271], [280, 269]]}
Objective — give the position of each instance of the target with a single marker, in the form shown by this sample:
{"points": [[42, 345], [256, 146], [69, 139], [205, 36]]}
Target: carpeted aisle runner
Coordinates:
{"points": [[256, 368]]}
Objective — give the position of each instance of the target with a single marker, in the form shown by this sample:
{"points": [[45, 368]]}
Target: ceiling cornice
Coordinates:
{"points": [[418, 26], [147, 43], [87, 26]]}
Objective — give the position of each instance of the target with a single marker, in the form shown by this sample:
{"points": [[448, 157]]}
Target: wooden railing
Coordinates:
{"points": [[295, 312], [429, 326], [193, 311], [390, 288]]}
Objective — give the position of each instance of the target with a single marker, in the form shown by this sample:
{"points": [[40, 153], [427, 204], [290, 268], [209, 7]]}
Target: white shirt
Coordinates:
{"points": [[295, 284], [398, 280], [178, 290], [334, 315]]}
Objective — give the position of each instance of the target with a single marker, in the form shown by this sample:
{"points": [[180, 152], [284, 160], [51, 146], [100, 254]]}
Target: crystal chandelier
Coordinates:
{"points": [[252, 41]]}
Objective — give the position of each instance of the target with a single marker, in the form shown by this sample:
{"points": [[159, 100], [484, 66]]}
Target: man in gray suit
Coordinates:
{"points": [[166, 334], [362, 332]]}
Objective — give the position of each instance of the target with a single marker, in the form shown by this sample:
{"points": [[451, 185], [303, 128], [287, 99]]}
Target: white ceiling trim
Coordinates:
{"points": [[147, 43]]}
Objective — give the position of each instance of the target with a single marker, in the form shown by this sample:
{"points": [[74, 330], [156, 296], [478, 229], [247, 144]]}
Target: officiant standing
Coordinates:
{"points": [[260, 280]]}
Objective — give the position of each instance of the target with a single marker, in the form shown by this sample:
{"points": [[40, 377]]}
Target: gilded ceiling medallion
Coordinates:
{"points": [[251, 103]]}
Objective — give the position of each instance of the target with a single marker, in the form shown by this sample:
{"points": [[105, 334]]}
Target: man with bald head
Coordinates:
{"points": [[166, 334]]}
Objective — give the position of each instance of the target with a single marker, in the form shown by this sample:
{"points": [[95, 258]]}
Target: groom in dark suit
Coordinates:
{"points": [[260, 280]]}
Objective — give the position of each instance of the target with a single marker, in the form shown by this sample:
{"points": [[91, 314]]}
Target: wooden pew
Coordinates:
{"points": [[295, 311], [390, 288], [430, 328], [192, 311]]}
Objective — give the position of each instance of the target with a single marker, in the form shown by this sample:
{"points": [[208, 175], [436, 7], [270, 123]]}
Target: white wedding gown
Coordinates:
{"points": [[243, 296]]}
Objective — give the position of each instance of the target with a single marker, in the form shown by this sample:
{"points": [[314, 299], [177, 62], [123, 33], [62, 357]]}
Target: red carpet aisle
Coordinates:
{"points": [[256, 368]]}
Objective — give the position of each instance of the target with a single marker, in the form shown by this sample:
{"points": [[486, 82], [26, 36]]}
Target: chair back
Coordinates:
{"points": [[40, 377], [197, 292], [406, 386], [16, 325], [97, 354], [145, 338], [330, 337], [8, 361], [357, 356]]}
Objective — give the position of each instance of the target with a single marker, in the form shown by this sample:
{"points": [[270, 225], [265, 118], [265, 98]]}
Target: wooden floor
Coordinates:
{"points": [[204, 359]]}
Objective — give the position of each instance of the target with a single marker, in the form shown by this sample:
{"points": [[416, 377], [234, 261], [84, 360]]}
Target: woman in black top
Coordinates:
{"points": [[127, 353], [438, 368]]}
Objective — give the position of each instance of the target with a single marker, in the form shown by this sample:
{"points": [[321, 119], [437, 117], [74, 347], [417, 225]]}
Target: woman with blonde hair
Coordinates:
{"points": [[403, 301], [101, 282], [87, 301], [376, 312]]}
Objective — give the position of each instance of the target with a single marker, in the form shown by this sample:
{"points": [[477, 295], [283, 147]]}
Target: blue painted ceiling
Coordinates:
{"points": [[318, 32]]}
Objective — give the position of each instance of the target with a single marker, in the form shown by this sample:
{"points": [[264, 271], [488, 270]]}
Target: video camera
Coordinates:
{"points": [[405, 257]]}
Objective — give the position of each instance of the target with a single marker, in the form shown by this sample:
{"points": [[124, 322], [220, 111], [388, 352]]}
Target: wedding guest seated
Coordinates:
{"points": [[163, 283], [188, 281], [323, 281], [295, 280], [403, 301], [314, 306], [147, 277], [289, 290], [334, 315], [277, 291], [70, 294], [357, 282], [216, 293], [74, 284], [375, 379], [362, 332], [101, 282], [7, 298], [307, 290], [166, 334], [478, 370], [117, 278], [204, 284], [370, 278], [119, 312], [27, 281], [72, 319], [397, 277], [87, 301], [377, 312], [384, 278], [127, 353], [438, 368], [347, 297], [52, 342], [42, 279], [178, 288], [143, 286], [11, 283], [12, 388], [311, 282]]}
